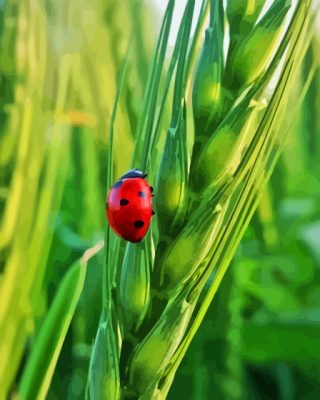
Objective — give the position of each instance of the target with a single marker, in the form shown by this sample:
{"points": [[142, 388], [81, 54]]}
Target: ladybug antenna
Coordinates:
{"points": [[147, 167]]}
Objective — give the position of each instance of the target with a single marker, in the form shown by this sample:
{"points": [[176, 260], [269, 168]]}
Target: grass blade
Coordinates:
{"points": [[38, 372]]}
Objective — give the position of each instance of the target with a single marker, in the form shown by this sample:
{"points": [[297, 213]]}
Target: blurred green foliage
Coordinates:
{"points": [[59, 65]]}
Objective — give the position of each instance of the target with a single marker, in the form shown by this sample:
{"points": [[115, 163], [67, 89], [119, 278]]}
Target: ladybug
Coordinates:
{"points": [[129, 206]]}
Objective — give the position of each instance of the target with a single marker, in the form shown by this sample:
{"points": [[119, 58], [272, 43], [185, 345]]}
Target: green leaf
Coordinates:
{"points": [[41, 364]]}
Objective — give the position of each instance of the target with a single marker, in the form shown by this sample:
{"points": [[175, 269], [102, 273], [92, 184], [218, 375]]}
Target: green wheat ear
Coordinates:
{"points": [[104, 382], [253, 54], [172, 177], [134, 285], [242, 16], [210, 169], [208, 91]]}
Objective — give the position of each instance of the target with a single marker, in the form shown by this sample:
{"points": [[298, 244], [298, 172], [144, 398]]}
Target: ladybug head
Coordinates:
{"points": [[134, 173]]}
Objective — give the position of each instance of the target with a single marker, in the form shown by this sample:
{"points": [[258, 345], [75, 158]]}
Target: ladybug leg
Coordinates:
{"points": [[152, 212], [151, 189]]}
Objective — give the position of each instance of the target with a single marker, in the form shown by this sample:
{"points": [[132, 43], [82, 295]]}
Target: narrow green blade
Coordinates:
{"points": [[40, 367]]}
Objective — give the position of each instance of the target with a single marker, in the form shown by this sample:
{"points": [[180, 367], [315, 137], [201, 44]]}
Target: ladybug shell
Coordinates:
{"points": [[129, 208]]}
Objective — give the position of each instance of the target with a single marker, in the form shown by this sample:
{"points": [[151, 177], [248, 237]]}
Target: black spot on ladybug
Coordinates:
{"points": [[117, 184], [151, 189], [138, 223], [124, 202], [142, 194]]}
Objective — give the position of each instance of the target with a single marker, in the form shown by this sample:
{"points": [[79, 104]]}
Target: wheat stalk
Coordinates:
{"points": [[204, 197]]}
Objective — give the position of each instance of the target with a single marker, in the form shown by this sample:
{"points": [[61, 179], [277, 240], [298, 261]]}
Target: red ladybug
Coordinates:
{"points": [[129, 206]]}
